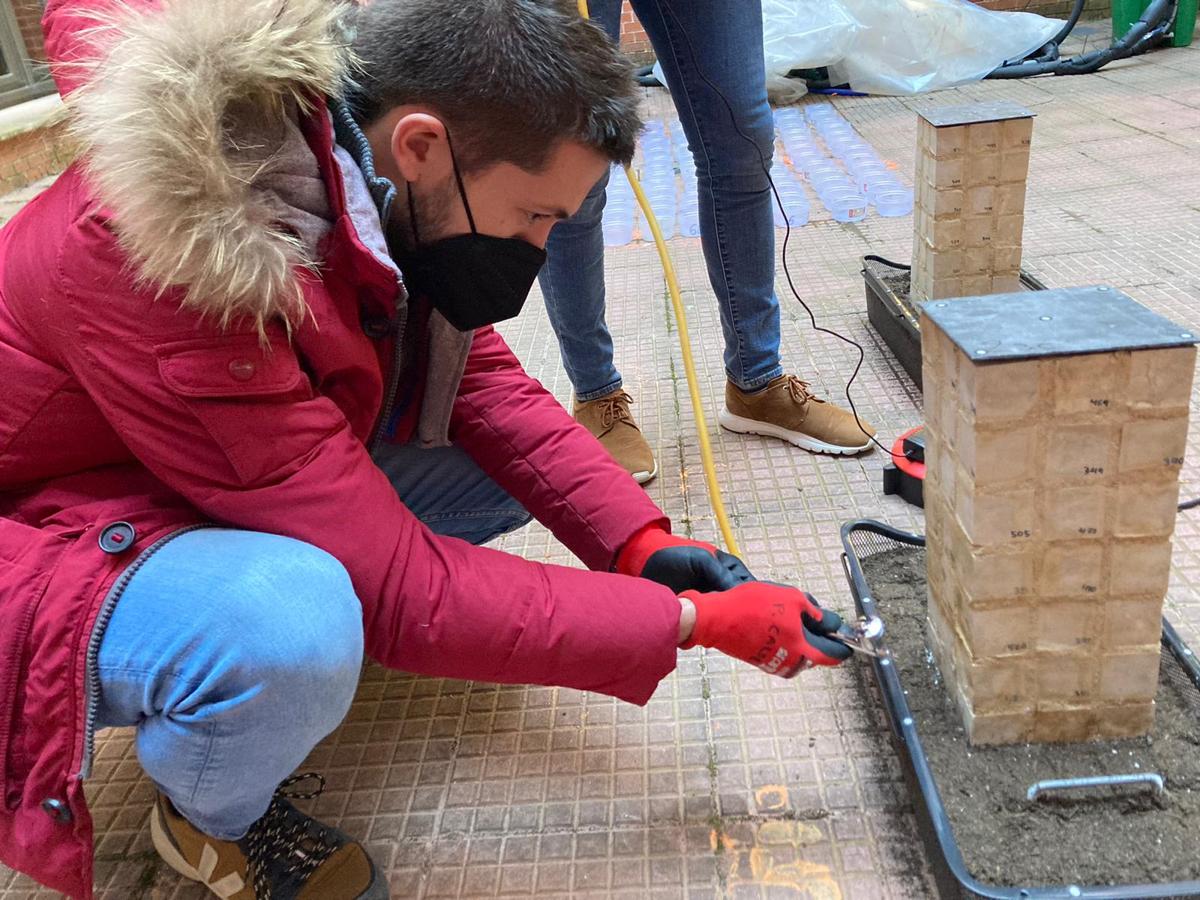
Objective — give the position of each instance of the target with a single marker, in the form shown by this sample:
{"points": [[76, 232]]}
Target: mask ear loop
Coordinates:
{"points": [[412, 214], [462, 190]]}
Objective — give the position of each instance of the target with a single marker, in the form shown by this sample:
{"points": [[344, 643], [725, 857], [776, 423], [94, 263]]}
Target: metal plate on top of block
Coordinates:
{"points": [[1056, 322], [973, 113]]}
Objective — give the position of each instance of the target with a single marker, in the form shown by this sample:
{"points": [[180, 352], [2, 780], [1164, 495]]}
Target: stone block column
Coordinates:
{"points": [[972, 162], [1055, 430]]}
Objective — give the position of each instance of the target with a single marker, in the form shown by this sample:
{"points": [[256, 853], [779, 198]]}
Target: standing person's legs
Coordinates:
{"points": [[572, 283], [711, 52], [572, 280], [699, 42]]}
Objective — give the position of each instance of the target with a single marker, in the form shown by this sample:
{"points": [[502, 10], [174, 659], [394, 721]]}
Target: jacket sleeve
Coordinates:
{"points": [[239, 431], [522, 437]]}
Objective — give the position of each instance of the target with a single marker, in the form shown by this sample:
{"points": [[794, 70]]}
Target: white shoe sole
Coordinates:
{"points": [[742, 425], [166, 847], [646, 477]]}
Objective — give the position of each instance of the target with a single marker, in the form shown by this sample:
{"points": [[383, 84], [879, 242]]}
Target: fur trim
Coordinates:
{"points": [[154, 118]]}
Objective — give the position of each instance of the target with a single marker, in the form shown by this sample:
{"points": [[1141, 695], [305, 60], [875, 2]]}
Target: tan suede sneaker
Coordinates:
{"points": [[610, 422], [787, 409], [285, 855]]}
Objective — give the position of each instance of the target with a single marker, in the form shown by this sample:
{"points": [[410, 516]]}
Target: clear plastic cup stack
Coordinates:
{"points": [[689, 205], [658, 175], [846, 206], [795, 205], [619, 209], [816, 112], [891, 202], [689, 216], [800, 150], [869, 177]]}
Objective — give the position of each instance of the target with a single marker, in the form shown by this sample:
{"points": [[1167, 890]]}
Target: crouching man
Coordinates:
{"points": [[255, 420]]}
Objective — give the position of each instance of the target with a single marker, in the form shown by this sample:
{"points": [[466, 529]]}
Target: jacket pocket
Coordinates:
{"points": [[249, 400], [237, 366], [21, 591]]}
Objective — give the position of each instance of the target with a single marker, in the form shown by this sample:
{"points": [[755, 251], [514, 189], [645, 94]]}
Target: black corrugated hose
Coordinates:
{"points": [[1148, 32]]}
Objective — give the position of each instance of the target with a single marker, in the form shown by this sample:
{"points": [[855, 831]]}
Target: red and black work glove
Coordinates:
{"points": [[780, 629], [679, 563]]}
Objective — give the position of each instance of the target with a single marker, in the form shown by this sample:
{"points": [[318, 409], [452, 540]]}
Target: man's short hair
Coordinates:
{"points": [[511, 78]]}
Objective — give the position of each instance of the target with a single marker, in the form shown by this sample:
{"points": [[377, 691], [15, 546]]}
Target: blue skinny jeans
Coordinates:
{"points": [[700, 44]]}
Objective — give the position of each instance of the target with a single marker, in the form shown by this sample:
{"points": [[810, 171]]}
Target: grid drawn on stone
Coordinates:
{"points": [[1163, 208]]}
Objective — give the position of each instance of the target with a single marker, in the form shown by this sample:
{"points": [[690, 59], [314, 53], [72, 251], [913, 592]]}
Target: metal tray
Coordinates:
{"points": [[866, 537], [896, 319]]}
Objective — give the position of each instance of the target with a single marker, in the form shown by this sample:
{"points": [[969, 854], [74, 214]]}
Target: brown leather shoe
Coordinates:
{"points": [[787, 409], [285, 855], [610, 422]]}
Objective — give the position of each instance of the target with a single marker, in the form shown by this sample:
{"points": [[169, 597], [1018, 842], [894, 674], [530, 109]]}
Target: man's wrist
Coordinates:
{"points": [[640, 547], [687, 620]]}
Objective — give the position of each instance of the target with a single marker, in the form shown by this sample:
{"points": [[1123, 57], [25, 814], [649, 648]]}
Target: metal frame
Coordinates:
{"points": [[950, 871], [897, 319]]}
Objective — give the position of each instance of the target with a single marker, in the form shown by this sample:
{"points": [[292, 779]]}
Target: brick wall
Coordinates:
{"points": [[1092, 9], [24, 158], [28, 156], [29, 21], [633, 38]]}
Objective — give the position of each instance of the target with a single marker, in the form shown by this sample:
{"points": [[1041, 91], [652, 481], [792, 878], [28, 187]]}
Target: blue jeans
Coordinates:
{"points": [[722, 42], [235, 652]]}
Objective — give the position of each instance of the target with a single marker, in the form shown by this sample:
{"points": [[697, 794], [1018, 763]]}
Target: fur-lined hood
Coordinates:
{"points": [[183, 123]]}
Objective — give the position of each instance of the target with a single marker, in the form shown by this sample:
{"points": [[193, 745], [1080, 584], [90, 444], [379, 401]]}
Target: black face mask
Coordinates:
{"points": [[471, 279]]}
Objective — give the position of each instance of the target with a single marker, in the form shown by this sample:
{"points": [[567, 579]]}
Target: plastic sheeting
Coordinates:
{"points": [[895, 46]]}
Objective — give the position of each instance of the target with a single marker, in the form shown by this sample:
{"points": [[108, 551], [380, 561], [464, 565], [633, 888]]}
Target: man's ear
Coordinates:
{"points": [[420, 147]]}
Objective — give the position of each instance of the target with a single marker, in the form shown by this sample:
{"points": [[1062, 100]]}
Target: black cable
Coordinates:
{"points": [[1189, 504], [766, 167], [875, 257]]}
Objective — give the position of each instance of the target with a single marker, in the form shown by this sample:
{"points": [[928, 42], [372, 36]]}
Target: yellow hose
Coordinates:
{"points": [[685, 345]]}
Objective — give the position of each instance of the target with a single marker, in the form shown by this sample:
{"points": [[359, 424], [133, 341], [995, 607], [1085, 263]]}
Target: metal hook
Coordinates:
{"points": [[860, 636]]}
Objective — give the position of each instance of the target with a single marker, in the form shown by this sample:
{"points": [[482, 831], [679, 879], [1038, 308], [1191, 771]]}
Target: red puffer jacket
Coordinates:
{"points": [[135, 403]]}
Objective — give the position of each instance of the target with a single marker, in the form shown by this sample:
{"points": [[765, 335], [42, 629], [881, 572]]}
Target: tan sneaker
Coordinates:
{"points": [[285, 855], [610, 422], [787, 409]]}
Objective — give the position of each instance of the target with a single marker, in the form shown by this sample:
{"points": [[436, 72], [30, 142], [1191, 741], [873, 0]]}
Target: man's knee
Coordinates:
{"points": [[298, 627]]}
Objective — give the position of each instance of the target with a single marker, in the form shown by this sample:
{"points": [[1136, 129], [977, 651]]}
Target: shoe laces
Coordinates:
{"points": [[614, 408], [286, 846], [799, 390]]}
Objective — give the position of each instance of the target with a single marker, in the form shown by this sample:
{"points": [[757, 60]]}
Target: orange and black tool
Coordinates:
{"points": [[905, 474]]}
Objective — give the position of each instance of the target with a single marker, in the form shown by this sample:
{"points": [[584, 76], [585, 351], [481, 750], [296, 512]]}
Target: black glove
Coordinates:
{"points": [[680, 563]]}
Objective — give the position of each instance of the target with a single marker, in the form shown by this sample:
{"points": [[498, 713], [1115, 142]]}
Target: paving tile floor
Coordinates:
{"points": [[730, 783]]}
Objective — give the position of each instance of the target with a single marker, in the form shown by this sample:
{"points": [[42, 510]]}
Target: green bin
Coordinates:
{"points": [[1126, 12]]}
